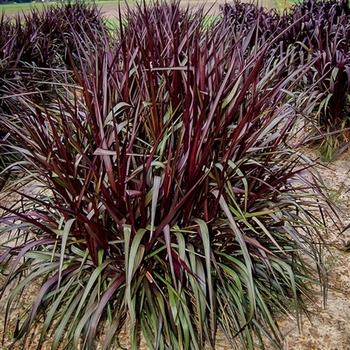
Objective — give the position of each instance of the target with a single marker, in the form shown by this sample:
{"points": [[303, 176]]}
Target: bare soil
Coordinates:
{"points": [[329, 325]]}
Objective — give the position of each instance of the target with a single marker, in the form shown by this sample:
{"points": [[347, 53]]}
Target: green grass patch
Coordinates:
{"points": [[284, 4], [14, 8], [17, 8]]}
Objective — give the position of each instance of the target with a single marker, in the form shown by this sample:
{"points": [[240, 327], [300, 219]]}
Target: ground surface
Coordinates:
{"points": [[329, 327]]}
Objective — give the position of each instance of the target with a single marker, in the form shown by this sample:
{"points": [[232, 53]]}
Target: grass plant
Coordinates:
{"points": [[322, 31], [163, 189]]}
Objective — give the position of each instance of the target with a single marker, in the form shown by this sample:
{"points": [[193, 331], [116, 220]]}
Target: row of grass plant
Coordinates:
{"points": [[158, 183]]}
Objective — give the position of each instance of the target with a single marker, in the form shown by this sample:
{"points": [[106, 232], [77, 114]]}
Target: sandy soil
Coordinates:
{"points": [[329, 326]]}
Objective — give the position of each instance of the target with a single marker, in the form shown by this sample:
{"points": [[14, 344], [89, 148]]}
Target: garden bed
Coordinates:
{"points": [[167, 189]]}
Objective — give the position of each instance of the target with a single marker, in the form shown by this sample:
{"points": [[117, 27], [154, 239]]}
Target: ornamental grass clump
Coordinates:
{"points": [[313, 31], [243, 16], [36, 48], [330, 79], [321, 32], [44, 38], [36, 45], [163, 192]]}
